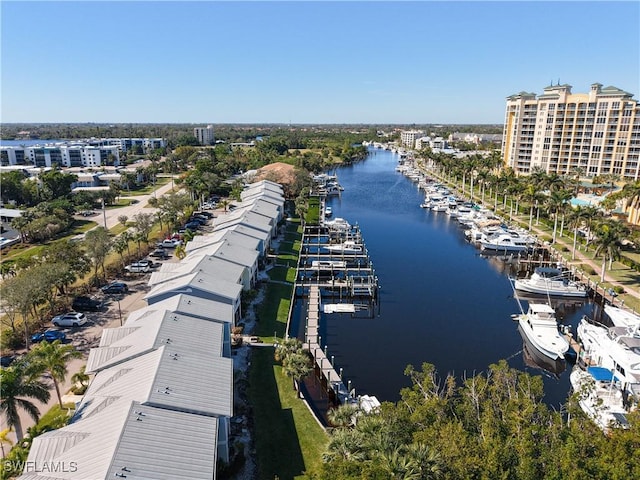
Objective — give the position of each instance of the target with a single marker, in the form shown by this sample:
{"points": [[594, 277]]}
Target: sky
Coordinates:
{"points": [[294, 62]]}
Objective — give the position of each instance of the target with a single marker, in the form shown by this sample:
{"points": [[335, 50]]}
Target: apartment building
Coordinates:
{"points": [[61, 155], [204, 135], [408, 137], [559, 131]]}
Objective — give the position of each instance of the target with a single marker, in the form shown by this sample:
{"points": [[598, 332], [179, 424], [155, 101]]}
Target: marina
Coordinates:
{"points": [[440, 299]]}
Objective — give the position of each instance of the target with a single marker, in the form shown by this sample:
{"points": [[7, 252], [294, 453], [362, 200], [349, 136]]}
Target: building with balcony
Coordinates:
{"points": [[595, 133], [204, 135], [408, 137]]}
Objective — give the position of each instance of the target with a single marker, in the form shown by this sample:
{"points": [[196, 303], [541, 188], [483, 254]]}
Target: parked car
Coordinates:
{"points": [[169, 243], [115, 287], [49, 336], [7, 360], [138, 267], [159, 253], [86, 304], [70, 319], [207, 215], [192, 225]]}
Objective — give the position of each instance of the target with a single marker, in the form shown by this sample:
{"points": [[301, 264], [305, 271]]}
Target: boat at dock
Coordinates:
{"points": [[621, 317], [550, 281], [329, 265], [347, 247], [614, 348], [328, 211], [540, 327], [600, 397], [507, 241]]}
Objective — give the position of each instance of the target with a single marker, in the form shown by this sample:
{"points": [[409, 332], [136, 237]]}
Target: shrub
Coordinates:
{"points": [[618, 289]]}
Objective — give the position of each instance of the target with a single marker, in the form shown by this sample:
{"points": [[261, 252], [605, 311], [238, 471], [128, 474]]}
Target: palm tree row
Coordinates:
{"points": [[22, 382], [538, 192]]}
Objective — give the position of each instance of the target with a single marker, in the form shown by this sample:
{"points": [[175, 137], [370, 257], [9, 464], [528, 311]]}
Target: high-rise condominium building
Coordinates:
{"points": [[408, 137], [559, 132], [204, 135]]}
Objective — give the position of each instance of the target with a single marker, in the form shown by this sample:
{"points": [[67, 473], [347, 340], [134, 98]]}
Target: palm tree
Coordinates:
{"points": [[427, 459], [345, 444], [81, 378], [297, 366], [608, 236], [557, 202], [576, 217], [53, 358], [4, 438], [343, 415], [21, 382]]}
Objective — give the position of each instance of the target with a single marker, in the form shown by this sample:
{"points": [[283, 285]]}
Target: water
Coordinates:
{"points": [[441, 302]]}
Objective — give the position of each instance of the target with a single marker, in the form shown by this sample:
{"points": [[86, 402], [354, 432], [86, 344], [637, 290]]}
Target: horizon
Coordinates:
{"points": [[304, 63]]}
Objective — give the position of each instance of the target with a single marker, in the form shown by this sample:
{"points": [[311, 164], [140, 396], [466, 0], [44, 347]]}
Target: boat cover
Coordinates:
{"points": [[602, 374]]}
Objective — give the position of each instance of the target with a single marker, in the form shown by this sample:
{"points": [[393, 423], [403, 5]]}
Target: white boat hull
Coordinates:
{"points": [[570, 290]]}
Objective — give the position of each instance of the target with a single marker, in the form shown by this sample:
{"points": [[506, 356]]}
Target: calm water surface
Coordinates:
{"points": [[441, 302]]}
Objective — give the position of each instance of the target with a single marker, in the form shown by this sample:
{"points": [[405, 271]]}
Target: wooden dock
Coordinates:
{"points": [[330, 379]]}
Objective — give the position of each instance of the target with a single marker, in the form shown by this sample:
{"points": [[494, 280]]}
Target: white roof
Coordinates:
{"points": [[268, 210], [267, 196], [249, 219], [198, 281], [201, 241], [234, 253], [200, 262], [151, 331], [263, 185], [131, 439], [188, 305]]}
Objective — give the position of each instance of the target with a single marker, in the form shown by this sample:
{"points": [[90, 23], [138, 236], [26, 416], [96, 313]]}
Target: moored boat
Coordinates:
{"points": [[540, 327], [600, 397], [550, 281], [348, 247]]}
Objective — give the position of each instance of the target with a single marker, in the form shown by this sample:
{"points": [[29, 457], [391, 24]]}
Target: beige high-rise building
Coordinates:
{"points": [[560, 131]]}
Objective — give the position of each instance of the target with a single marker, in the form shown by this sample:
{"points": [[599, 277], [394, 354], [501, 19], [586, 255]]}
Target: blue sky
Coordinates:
{"points": [[304, 62]]}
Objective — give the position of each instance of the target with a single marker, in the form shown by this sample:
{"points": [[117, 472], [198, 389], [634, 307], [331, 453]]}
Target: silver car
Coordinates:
{"points": [[70, 319]]}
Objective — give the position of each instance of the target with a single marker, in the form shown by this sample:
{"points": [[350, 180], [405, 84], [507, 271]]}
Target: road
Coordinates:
{"points": [[110, 216]]}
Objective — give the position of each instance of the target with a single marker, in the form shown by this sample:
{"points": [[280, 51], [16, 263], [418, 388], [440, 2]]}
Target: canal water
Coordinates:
{"points": [[441, 301]]}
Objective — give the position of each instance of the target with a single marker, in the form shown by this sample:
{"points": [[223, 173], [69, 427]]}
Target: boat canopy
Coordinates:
{"points": [[602, 374]]}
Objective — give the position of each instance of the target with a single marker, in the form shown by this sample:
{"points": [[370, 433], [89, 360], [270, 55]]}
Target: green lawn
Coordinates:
{"points": [[289, 441]]}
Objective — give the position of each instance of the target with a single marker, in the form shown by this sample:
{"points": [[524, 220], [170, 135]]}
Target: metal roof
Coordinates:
{"points": [[200, 262], [207, 284], [266, 196], [265, 185], [262, 225], [237, 254], [262, 208], [187, 305], [130, 440], [201, 241], [152, 331]]}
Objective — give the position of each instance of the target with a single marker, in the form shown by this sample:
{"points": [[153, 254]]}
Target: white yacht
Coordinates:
{"points": [[541, 329], [328, 264], [600, 397], [550, 281], [348, 247], [507, 241], [338, 224], [622, 318], [614, 348]]}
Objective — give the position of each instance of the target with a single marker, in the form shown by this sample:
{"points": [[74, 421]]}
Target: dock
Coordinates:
{"points": [[330, 379]]}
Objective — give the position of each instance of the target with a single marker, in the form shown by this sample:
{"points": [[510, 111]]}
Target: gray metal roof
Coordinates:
{"points": [[202, 241], [151, 331], [265, 185], [266, 209], [265, 195], [200, 262], [131, 439], [237, 254], [187, 305], [251, 220], [198, 281]]}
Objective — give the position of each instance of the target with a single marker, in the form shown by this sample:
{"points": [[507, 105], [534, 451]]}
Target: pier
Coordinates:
{"points": [[330, 379]]}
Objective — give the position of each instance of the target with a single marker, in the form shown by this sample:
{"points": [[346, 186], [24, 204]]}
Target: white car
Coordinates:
{"points": [[70, 319], [169, 243], [138, 267]]}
